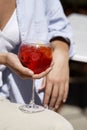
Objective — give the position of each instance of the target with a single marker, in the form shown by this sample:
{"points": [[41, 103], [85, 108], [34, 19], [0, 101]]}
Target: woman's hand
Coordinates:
{"points": [[12, 61], [56, 82]]}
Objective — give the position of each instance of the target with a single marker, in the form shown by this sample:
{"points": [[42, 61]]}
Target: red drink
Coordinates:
{"points": [[35, 57]]}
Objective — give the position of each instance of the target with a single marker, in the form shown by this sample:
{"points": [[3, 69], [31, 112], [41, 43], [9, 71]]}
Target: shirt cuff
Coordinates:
{"points": [[66, 40]]}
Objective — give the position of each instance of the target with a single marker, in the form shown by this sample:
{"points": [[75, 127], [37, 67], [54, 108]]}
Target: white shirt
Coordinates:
{"points": [[43, 21], [9, 38]]}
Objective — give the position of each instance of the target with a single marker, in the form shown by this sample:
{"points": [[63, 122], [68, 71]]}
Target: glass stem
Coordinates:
{"points": [[32, 102]]}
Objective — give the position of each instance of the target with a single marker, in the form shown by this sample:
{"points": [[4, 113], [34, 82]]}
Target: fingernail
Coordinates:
{"points": [[52, 63], [56, 107], [64, 100], [46, 106], [31, 72], [50, 68]]}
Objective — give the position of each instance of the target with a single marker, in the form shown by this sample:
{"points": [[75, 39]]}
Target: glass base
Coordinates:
{"points": [[31, 108]]}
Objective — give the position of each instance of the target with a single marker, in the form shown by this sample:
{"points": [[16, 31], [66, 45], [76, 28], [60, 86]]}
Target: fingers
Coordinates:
{"points": [[60, 96], [13, 62], [25, 73], [47, 95], [66, 91], [22, 71], [53, 97], [56, 94]]}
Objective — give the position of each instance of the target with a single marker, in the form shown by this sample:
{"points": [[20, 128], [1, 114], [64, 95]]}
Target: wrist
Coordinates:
{"points": [[60, 50], [60, 45]]}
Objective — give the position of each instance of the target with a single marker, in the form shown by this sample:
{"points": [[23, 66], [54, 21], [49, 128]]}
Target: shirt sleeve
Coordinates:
{"points": [[58, 24]]}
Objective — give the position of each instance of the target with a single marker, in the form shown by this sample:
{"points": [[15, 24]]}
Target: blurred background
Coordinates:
{"points": [[75, 109]]}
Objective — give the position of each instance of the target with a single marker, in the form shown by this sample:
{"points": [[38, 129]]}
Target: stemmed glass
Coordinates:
{"points": [[37, 57]]}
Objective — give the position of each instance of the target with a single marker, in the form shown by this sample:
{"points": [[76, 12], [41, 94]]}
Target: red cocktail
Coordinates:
{"points": [[36, 57]]}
